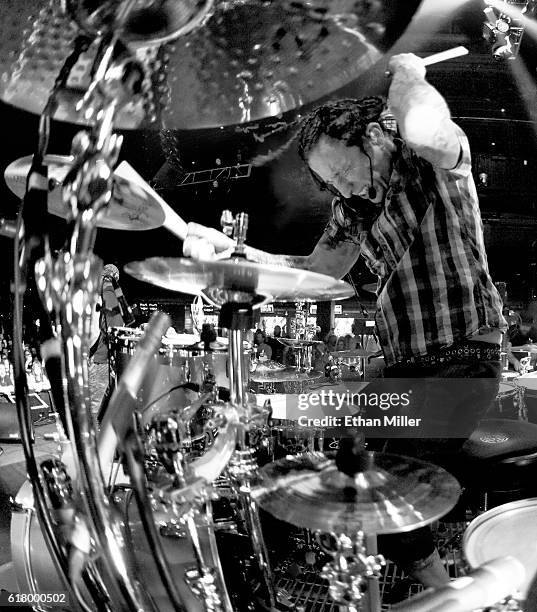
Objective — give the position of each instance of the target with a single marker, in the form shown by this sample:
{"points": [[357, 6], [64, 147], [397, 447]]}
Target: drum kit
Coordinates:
{"points": [[123, 518]]}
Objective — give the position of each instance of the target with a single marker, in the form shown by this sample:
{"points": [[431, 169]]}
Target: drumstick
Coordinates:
{"points": [[172, 221], [441, 57]]}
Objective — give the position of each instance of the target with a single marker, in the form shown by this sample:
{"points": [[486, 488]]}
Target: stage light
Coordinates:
{"points": [[504, 27]]}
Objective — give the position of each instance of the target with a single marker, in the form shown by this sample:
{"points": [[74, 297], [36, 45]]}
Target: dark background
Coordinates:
{"points": [[489, 99]]}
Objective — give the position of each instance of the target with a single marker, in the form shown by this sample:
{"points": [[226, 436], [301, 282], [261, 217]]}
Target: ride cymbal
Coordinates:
{"points": [[392, 494]]}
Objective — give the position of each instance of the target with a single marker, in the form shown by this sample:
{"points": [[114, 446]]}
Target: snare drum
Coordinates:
{"points": [[510, 529]]}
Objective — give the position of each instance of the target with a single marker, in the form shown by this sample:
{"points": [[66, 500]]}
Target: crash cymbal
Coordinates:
{"points": [[392, 494], [286, 375], [245, 61], [132, 208], [220, 280]]}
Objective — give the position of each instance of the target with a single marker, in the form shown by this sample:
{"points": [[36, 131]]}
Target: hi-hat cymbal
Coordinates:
{"points": [[132, 208], [391, 495], [217, 279], [245, 60]]}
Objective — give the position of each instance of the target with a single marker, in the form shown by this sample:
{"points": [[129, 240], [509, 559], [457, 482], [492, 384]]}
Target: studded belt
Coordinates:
{"points": [[463, 352]]}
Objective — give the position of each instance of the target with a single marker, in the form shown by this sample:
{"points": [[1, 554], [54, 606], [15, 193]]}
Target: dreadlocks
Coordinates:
{"points": [[344, 120]]}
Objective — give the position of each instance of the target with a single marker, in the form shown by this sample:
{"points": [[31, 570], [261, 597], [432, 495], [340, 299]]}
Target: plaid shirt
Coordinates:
{"points": [[426, 246]]}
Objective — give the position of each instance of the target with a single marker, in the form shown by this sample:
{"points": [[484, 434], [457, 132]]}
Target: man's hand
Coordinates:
{"points": [[206, 243], [407, 62]]}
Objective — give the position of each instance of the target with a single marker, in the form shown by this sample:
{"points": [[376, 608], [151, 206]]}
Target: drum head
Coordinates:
{"points": [[510, 529]]}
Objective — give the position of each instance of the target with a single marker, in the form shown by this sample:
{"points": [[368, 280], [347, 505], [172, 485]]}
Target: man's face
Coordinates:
{"points": [[347, 169], [277, 330]]}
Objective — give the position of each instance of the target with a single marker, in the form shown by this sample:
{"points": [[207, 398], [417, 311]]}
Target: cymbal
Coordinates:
{"points": [[245, 61], [269, 366], [132, 208], [260, 59], [286, 375], [147, 22], [391, 495], [297, 343], [218, 279]]}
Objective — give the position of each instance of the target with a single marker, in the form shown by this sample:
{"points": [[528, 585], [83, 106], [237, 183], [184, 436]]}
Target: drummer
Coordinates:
{"points": [[405, 199]]}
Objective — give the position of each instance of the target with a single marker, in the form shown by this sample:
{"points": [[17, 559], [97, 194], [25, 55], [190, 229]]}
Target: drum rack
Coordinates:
{"points": [[311, 591]]}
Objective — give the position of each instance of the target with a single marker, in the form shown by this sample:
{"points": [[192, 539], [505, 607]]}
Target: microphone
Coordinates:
{"points": [[483, 587], [125, 309]]}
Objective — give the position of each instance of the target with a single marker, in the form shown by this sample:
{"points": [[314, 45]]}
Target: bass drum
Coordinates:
{"points": [[35, 572]]}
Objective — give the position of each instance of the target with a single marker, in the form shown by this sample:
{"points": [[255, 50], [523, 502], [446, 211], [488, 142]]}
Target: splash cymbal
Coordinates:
{"points": [[132, 207], [392, 494], [232, 63], [217, 279]]}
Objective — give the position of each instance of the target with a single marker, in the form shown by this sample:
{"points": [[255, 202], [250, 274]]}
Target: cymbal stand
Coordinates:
{"points": [[69, 287], [354, 570], [236, 315]]}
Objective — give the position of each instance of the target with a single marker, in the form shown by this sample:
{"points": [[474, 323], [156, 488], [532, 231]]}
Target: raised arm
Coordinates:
{"points": [[422, 113]]}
